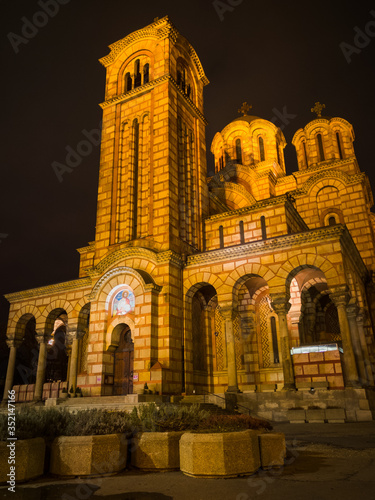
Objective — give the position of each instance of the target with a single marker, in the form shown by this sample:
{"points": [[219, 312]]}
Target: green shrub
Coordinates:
{"points": [[53, 422], [232, 423], [168, 417]]}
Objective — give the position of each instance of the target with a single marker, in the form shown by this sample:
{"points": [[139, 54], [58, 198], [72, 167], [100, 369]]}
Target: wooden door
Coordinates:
{"points": [[124, 359]]}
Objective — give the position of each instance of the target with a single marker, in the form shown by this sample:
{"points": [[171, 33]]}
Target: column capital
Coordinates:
{"points": [[227, 311], [352, 309], [41, 338], [280, 303], [74, 334], [13, 343], [340, 295]]}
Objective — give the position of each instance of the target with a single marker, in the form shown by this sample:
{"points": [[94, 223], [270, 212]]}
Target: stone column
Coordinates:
{"points": [[352, 312], [74, 364], [41, 370], [227, 314], [281, 306], [362, 336], [341, 299], [12, 344]]}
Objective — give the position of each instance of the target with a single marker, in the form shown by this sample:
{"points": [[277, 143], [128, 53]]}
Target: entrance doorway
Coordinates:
{"points": [[124, 359]]}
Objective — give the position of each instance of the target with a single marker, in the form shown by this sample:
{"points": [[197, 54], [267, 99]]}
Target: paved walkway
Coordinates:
{"points": [[325, 462]]}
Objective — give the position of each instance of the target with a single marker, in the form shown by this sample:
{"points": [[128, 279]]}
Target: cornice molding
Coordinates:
{"points": [[258, 205], [338, 232], [137, 92], [49, 289]]}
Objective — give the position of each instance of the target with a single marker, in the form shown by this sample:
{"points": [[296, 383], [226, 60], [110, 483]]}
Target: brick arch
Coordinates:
{"points": [[116, 277], [53, 311], [195, 282], [135, 257], [112, 338], [27, 309], [303, 261], [320, 180]]}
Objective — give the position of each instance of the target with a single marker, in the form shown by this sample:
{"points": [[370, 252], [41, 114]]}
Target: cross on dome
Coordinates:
{"points": [[318, 109], [245, 108]]}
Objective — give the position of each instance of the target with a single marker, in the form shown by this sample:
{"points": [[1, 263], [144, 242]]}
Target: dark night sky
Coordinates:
{"points": [[271, 54]]}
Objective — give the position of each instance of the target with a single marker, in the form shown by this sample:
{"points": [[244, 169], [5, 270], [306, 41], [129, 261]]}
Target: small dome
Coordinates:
{"points": [[246, 118]]}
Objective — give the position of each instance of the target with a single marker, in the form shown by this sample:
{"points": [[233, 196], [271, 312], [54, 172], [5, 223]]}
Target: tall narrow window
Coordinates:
{"points": [[179, 78], [338, 139], [320, 146], [278, 153], [275, 346], [332, 220], [188, 91], [128, 82], [137, 74], [263, 226], [242, 233], [135, 177], [305, 153], [221, 236], [146, 73], [238, 151], [261, 149]]}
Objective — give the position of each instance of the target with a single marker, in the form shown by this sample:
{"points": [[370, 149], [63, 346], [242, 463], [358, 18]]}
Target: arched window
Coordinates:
{"points": [[263, 226], [305, 153], [332, 220], [278, 153], [221, 236], [135, 177], [238, 151], [128, 82], [261, 149], [137, 74], [320, 147], [188, 91], [242, 233], [146, 73], [275, 346], [179, 78], [338, 139]]}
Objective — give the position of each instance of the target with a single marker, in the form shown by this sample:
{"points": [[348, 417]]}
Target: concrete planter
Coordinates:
{"points": [[296, 416], [315, 416], [272, 450], [29, 459], [335, 415], [156, 450], [87, 455], [227, 454]]}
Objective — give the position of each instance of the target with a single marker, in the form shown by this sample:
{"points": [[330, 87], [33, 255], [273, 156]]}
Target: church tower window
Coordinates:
{"points": [[261, 149], [238, 151], [338, 139], [332, 220], [305, 153], [263, 227], [146, 73], [320, 147], [221, 236], [242, 233], [128, 82], [137, 74]]}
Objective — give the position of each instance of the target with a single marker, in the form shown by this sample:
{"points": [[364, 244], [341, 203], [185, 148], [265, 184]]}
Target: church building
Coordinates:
{"points": [[246, 281]]}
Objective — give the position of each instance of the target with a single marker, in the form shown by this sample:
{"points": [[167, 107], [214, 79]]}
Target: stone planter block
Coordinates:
{"points": [[272, 450], [315, 416], [86, 455], [335, 415], [296, 416], [227, 454], [156, 450], [29, 459]]}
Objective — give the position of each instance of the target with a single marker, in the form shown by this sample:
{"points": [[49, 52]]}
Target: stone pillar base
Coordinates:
{"points": [[289, 387]]}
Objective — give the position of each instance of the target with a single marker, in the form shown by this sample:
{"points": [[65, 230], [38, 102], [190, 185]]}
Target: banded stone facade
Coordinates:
{"points": [[205, 284]]}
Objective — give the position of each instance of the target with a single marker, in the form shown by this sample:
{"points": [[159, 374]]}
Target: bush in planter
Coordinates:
{"points": [[232, 423], [167, 417]]}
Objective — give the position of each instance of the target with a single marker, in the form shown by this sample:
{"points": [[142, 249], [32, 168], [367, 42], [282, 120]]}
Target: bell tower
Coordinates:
{"points": [[152, 183]]}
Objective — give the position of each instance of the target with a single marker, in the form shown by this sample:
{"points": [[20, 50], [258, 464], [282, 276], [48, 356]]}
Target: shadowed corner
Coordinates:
{"points": [[80, 491]]}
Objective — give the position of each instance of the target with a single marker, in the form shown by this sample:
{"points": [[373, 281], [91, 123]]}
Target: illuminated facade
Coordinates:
{"points": [[206, 284]]}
